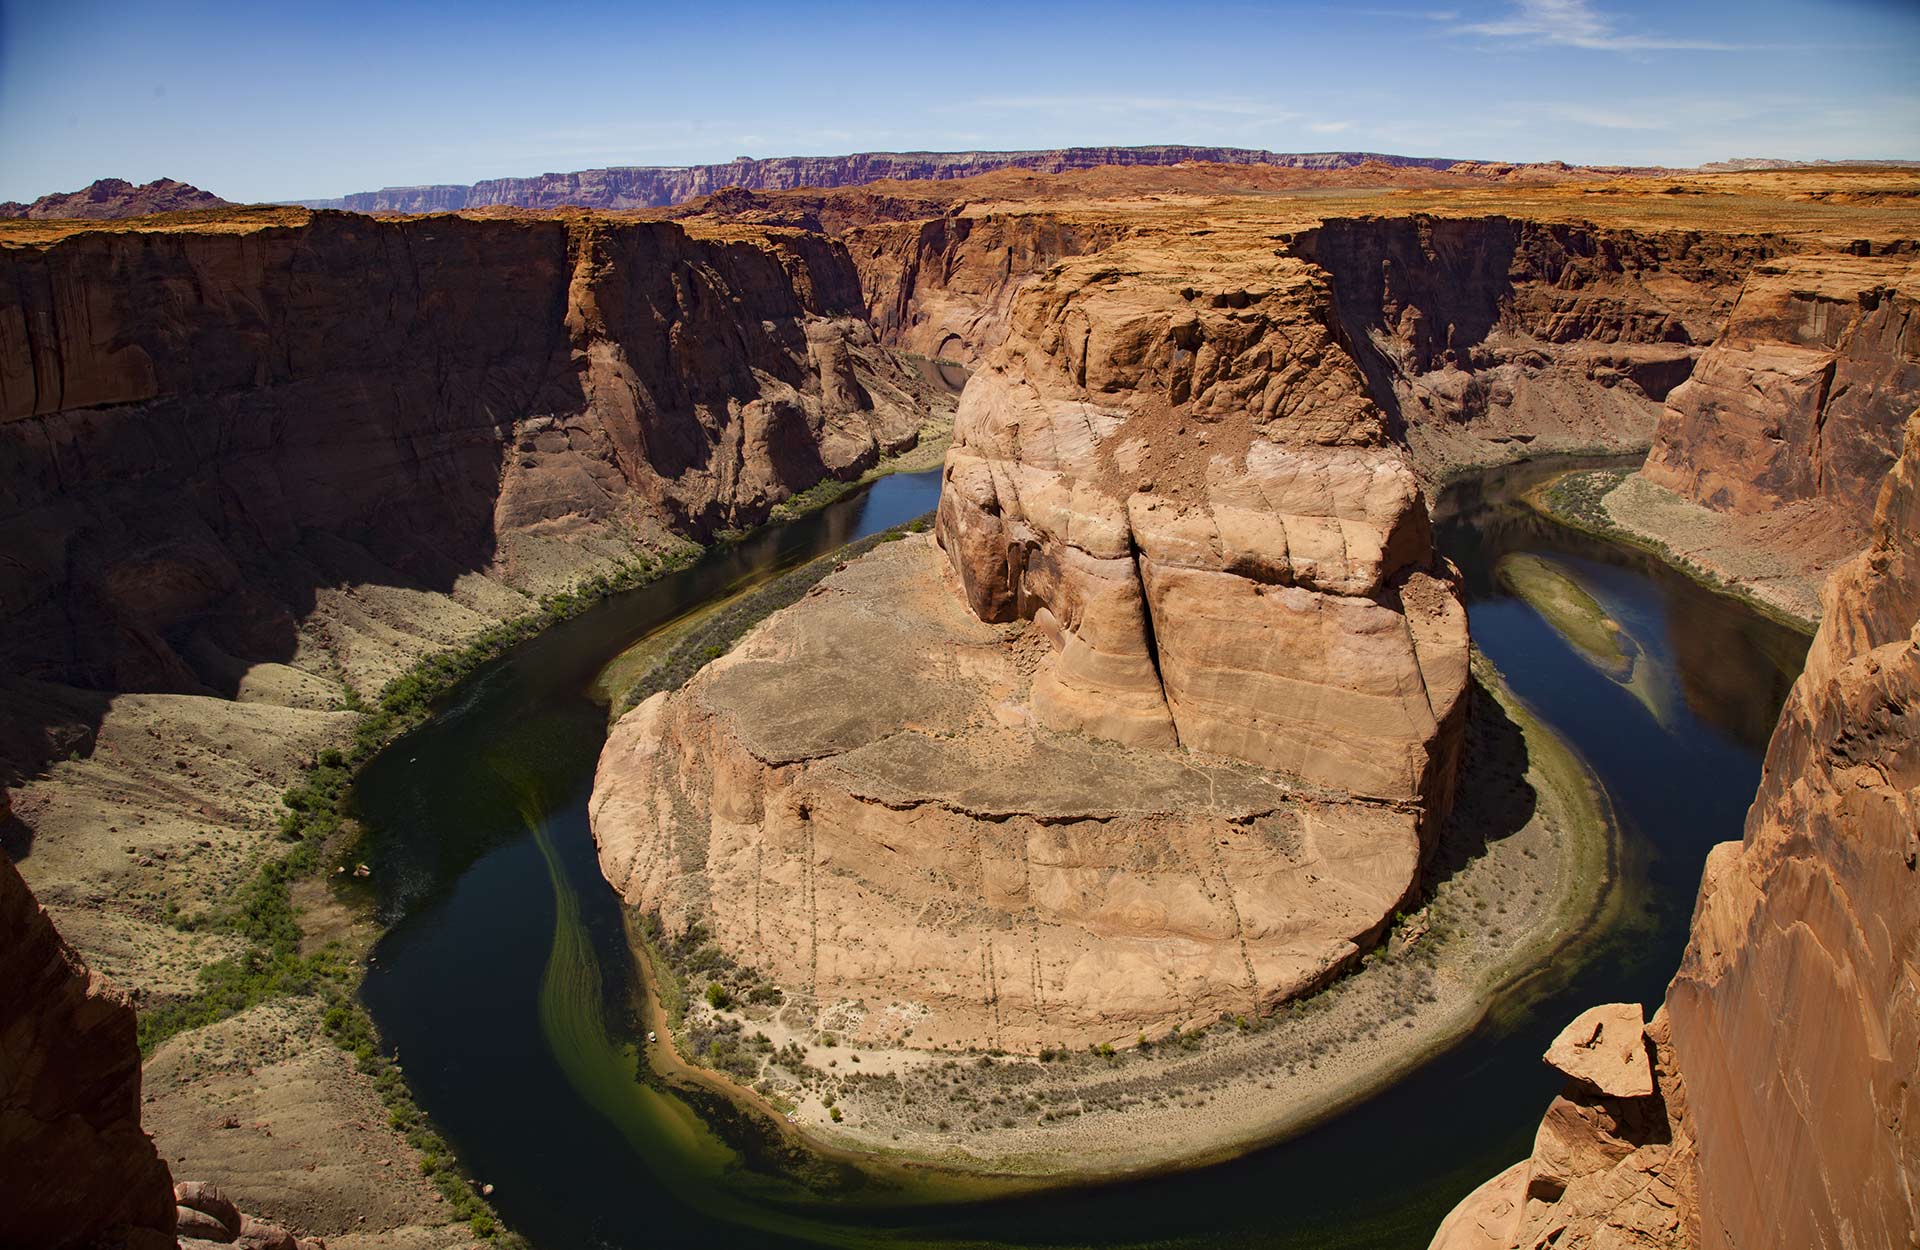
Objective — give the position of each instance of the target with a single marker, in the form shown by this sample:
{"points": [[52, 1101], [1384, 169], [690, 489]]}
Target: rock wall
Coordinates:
{"points": [[200, 430], [657, 186], [1796, 1014], [1805, 394], [1171, 518], [78, 1169], [1784, 1111], [1182, 481], [945, 287], [1491, 337]]}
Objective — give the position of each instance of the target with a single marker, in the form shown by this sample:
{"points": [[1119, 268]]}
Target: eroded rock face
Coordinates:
{"points": [[652, 186], [857, 802], [1805, 394], [1101, 770], [1189, 491], [1605, 1048], [78, 1170], [1795, 1013], [1784, 1057], [1494, 336], [110, 198], [202, 431]]}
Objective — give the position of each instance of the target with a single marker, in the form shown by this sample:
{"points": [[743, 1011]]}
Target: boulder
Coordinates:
{"points": [[207, 1199], [1606, 1047]]}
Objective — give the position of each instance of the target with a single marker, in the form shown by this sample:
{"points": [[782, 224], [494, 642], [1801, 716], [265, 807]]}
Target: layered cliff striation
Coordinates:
{"points": [[1492, 337], [1159, 732], [1767, 460], [1783, 1109], [203, 432], [645, 186]]}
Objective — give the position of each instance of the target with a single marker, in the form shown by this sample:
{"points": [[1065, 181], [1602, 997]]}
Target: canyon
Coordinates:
{"points": [[1156, 727]]}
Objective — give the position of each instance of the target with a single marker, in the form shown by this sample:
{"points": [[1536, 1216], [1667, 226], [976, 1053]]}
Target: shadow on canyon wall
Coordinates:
{"points": [[213, 444]]}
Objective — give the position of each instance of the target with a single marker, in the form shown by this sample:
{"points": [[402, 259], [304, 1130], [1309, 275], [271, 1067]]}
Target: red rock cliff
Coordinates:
{"points": [[1804, 396], [78, 1171], [1490, 331], [655, 186], [1784, 1110], [181, 410]]}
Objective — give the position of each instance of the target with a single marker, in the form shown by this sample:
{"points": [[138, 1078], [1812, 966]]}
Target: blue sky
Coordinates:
{"points": [[282, 101]]}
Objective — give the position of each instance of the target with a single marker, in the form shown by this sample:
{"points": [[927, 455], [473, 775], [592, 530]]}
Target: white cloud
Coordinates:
{"points": [[1577, 24]]}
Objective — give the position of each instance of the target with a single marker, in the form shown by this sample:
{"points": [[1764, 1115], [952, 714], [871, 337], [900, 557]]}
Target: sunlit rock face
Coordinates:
{"points": [[1805, 394], [1190, 493], [1784, 1110], [1156, 733]]}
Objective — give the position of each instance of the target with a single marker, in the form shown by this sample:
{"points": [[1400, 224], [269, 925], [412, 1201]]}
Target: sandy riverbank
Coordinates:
{"points": [[1524, 866], [1775, 563]]}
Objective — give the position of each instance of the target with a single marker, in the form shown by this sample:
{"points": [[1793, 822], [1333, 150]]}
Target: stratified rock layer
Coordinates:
{"points": [[1184, 484], [1796, 1014], [1784, 1111], [1493, 336], [78, 1171], [1805, 394], [1158, 735], [857, 802], [640, 186], [202, 431]]}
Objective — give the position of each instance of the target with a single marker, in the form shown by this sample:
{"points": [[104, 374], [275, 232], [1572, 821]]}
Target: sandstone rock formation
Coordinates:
{"points": [[915, 842], [1605, 1048], [1491, 336], [1102, 770], [202, 430], [111, 198], [1805, 394], [1795, 1014], [1188, 490], [79, 1172], [1606, 1170], [638, 186], [1784, 1111]]}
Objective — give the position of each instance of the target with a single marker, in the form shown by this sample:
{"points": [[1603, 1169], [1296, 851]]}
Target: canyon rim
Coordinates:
{"points": [[1074, 690]]}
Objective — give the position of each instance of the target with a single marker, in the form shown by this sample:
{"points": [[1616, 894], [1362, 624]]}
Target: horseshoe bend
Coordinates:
{"points": [[1155, 726], [1088, 696]]}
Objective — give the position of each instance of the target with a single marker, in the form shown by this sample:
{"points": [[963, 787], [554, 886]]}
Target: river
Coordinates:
{"points": [[505, 986]]}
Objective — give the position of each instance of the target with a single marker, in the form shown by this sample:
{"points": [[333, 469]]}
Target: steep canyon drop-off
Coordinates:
{"points": [[266, 457]]}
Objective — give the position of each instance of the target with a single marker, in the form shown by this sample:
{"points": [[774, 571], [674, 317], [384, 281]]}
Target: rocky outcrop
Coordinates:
{"points": [[1608, 1169], [1157, 734], [1783, 1058], [945, 287], [199, 430], [1805, 394], [1795, 1014], [858, 804], [1184, 484], [1489, 337], [640, 186], [111, 198], [79, 1172]]}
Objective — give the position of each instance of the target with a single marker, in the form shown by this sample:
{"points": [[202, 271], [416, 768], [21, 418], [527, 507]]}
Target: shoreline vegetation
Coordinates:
{"points": [[317, 834], [1320, 1082], [1577, 500], [1526, 865]]}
